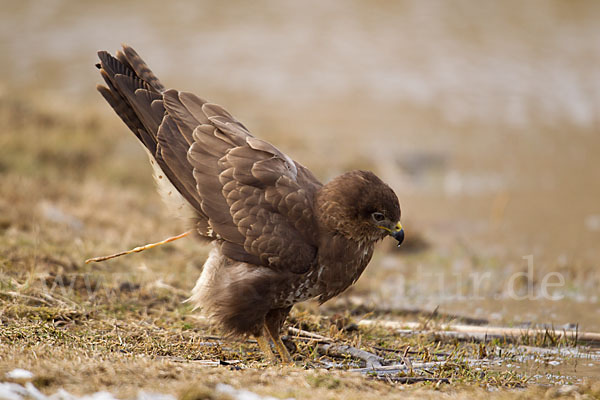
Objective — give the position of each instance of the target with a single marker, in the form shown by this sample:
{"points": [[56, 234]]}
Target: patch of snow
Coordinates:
{"points": [[154, 396], [19, 373], [241, 394], [11, 391], [14, 391]]}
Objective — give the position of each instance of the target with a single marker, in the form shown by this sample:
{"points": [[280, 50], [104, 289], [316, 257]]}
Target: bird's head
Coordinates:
{"points": [[360, 206]]}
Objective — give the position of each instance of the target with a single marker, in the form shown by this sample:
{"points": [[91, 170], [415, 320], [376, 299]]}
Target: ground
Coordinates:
{"points": [[482, 119], [122, 325]]}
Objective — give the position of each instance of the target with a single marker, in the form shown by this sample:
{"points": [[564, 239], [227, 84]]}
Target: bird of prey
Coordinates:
{"points": [[279, 236]]}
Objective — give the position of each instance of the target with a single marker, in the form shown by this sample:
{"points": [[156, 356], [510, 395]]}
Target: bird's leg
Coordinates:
{"points": [[281, 349], [263, 343]]}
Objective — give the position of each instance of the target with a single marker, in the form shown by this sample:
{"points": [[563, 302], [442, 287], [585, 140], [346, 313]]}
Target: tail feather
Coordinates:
{"points": [[135, 94], [141, 99], [121, 83], [140, 67], [126, 113]]}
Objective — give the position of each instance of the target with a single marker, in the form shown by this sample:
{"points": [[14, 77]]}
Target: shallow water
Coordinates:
{"points": [[546, 366]]}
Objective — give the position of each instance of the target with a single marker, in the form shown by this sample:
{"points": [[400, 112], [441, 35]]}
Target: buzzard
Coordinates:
{"points": [[278, 235]]}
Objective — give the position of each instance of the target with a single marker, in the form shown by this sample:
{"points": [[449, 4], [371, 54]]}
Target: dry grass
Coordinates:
{"points": [[122, 326], [483, 191]]}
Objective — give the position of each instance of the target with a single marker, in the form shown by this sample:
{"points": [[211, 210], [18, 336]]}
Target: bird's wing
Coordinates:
{"points": [[135, 94], [245, 192], [257, 199]]}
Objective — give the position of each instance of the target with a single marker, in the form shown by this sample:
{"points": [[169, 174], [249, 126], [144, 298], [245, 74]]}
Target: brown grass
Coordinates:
{"points": [[74, 184]]}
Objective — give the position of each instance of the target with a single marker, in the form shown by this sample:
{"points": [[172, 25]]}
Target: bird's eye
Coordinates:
{"points": [[377, 216]]}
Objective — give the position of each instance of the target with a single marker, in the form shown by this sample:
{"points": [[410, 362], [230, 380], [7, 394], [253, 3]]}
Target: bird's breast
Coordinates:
{"points": [[331, 276], [302, 288]]}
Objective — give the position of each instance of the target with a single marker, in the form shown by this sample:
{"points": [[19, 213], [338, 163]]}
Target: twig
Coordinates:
{"points": [[405, 359], [483, 332], [410, 379], [371, 359], [16, 294], [137, 249], [211, 337], [301, 334], [480, 337], [339, 350], [395, 368], [62, 302], [328, 347], [360, 309], [407, 351]]}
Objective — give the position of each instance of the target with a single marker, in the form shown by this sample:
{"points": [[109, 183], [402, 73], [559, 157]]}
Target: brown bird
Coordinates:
{"points": [[278, 235]]}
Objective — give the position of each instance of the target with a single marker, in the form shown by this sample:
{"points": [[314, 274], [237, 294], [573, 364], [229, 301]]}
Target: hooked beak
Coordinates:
{"points": [[397, 232]]}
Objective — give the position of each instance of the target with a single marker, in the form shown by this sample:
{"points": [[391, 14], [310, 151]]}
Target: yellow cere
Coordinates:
{"points": [[396, 229]]}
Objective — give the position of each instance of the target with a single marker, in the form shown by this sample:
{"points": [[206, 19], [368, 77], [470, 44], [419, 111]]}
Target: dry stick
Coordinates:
{"points": [[138, 249], [395, 368], [373, 361], [480, 332], [410, 379], [340, 350], [407, 351], [16, 294], [327, 346], [405, 359], [300, 333]]}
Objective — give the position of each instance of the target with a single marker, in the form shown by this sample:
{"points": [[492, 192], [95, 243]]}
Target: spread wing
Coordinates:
{"points": [[252, 198]]}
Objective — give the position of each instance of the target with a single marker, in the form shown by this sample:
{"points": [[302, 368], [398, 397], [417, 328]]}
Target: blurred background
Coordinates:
{"points": [[483, 116]]}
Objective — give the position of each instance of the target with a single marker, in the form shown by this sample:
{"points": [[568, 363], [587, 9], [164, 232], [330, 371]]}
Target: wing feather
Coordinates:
{"points": [[251, 197], [255, 178], [134, 92], [171, 145], [185, 120]]}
